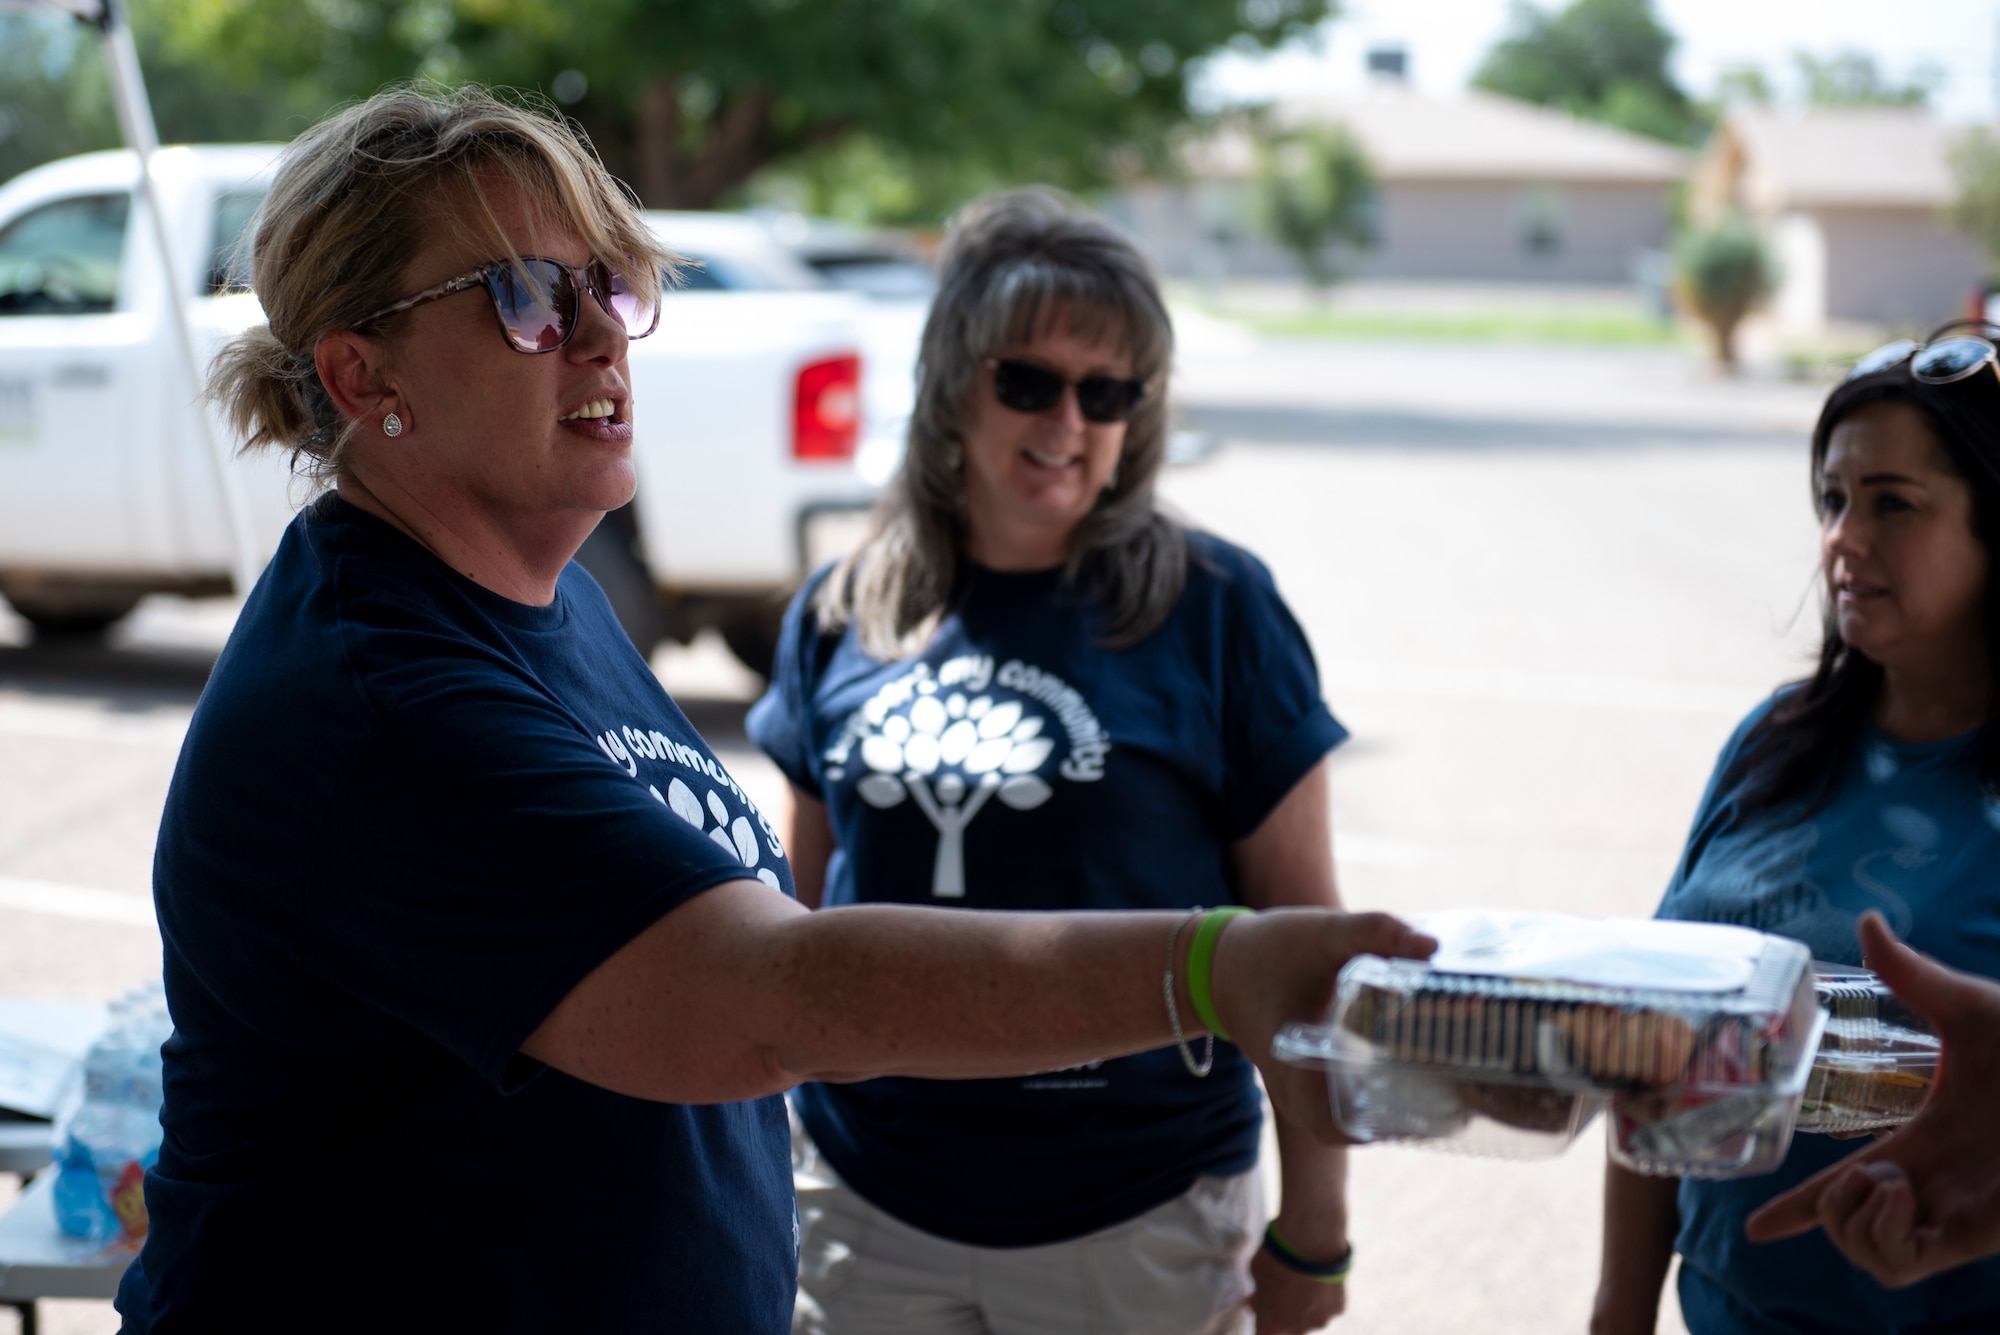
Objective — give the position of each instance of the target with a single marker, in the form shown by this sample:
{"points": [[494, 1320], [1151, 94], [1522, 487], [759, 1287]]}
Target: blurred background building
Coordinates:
{"points": [[1853, 200], [1468, 188]]}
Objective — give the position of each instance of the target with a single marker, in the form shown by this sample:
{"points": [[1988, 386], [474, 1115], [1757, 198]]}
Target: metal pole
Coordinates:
{"points": [[135, 116]]}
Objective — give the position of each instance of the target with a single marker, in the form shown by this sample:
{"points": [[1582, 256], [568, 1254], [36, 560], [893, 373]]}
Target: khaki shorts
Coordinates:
{"points": [[1179, 1269]]}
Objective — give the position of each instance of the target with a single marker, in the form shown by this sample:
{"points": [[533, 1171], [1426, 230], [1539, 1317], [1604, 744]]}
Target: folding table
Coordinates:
{"points": [[39, 1260], [41, 1043]]}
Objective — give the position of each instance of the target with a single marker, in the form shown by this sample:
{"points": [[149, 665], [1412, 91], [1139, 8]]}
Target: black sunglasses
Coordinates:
{"points": [[537, 299], [1027, 388], [1937, 361]]}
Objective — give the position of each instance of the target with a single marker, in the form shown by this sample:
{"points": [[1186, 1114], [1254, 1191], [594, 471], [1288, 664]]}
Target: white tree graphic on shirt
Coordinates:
{"points": [[736, 836], [626, 746], [950, 754]]}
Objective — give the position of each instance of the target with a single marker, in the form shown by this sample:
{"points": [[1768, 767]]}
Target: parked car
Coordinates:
{"points": [[887, 266], [887, 295], [751, 414]]}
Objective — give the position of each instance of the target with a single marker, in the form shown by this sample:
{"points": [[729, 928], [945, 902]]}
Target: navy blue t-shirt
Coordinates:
{"points": [[1018, 764], [409, 817], [1906, 831]]}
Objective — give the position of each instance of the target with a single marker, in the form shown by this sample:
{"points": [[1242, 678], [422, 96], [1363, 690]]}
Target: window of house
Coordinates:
{"points": [[64, 258], [1541, 222]]}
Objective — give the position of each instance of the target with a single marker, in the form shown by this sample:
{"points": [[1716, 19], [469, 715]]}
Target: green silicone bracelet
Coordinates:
{"points": [[1201, 958]]}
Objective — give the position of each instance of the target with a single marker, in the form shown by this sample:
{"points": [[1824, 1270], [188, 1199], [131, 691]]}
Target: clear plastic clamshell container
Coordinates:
{"points": [[1696, 1037], [1877, 1060]]}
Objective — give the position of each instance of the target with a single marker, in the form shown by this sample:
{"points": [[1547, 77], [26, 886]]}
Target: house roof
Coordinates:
{"points": [[1473, 137], [1859, 156]]}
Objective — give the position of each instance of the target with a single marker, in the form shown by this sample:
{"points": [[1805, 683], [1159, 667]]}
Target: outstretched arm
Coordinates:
{"points": [[740, 992], [1926, 1198]]}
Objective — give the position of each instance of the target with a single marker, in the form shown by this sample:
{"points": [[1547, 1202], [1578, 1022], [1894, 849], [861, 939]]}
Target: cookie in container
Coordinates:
{"points": [[1524, 1026], [1877, 1060]]}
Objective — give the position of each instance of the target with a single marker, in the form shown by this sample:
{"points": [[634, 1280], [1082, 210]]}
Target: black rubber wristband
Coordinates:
{"points": [[1281, 1251]]}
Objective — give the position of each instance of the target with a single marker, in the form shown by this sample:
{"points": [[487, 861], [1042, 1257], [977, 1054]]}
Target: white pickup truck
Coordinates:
{"points": [[756, 442]]}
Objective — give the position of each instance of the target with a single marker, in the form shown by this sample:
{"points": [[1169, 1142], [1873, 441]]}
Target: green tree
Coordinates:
{"points": [[1852, 79], [688, 99], [1600, 60], [49, 108], [1744, 85], [1975, 206], [1316, 192], [55, 98], [1722, 273]]}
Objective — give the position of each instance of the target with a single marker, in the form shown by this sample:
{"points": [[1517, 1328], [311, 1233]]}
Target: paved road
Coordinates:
{"points": [[1542, 587]]}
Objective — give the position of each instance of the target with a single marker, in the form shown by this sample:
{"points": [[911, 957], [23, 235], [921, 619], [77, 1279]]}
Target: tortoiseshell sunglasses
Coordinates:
{"points": [[537, 300]]}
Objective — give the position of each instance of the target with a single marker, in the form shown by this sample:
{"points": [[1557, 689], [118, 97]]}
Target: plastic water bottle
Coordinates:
{"points": [[109, 1133]]}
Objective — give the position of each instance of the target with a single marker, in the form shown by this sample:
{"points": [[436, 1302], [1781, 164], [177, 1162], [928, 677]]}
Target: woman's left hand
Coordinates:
{"points": [[1287, 1303]]}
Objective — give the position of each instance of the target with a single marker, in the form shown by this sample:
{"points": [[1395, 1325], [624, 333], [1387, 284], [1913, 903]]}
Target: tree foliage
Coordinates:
{"points": [[55, 97], [1599, 60], [1722, 273], [45, 111], [1852, 79], [1744, 85], [1317, 192], [686, 100]]}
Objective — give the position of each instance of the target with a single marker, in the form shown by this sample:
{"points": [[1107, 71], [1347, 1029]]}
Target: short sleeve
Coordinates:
{"points": [[1275, 725], [1716, 811], [780, 723], [486, 856]]}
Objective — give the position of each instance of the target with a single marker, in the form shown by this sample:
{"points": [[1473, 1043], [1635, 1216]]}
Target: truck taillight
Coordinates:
{"points": [[826, 411]]}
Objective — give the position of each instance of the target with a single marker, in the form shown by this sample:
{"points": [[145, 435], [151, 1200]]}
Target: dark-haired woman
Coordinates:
{"points": [[1032, 690], [1875, 784]]}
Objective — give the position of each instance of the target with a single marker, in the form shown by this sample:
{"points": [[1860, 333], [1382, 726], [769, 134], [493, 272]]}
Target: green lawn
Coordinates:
{"points": [[1525, 325]]}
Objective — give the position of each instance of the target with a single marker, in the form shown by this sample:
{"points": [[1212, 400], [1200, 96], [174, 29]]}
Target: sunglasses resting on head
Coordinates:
{"points": [[538, 299], [1937, 360]]}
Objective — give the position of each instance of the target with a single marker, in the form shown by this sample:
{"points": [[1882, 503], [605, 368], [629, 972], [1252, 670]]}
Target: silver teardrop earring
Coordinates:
{"points": [[954, 456], [392, 425]]}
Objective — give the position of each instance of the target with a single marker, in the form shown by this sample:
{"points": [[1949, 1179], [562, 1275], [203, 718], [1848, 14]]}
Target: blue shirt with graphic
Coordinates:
{"points": [[410, 816], [1017, 764], [1907, 831]]}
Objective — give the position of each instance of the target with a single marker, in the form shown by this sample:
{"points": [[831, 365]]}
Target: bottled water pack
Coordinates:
{"points": [[108, 1133]]}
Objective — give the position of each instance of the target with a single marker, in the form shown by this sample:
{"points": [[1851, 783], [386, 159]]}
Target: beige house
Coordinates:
{"points": [[1470, 188], [1850, 200]]}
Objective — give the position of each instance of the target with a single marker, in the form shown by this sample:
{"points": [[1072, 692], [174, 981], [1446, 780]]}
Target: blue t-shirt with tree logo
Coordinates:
{"points": [[410, 816], [1907, 831], [1016, 763]]}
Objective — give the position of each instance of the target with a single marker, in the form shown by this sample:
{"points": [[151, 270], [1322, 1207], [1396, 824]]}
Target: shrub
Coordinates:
{"points": [[1722, 273]]}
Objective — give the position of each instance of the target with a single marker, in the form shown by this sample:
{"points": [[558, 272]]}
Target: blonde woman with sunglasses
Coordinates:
{"points": [[1031, 690], [486, 976]]}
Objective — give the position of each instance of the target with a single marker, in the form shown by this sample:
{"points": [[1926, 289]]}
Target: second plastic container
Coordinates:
{"points": [[1876, 1062]]}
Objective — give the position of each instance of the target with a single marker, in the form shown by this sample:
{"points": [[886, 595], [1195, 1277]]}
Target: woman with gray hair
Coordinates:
{"points": [[1030, 689], [485, 974]]}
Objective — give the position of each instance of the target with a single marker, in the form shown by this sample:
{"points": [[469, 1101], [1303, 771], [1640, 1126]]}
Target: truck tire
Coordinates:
{"points": [[611, 555], [71, 614], [752, 635]]}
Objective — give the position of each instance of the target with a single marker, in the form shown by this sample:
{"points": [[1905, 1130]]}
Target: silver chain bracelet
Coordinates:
{"points": [[1207, 1062]]}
